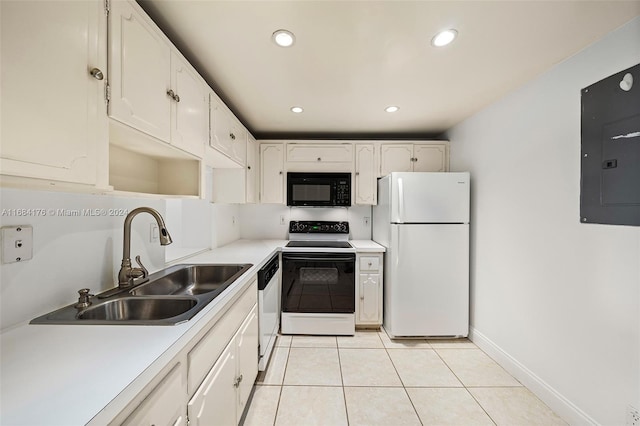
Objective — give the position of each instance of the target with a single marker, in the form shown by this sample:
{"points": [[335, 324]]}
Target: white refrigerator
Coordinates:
{"points": [[423, 221]]}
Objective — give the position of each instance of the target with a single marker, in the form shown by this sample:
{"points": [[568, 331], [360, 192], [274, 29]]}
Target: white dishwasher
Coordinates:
{"points": [[268, 308]]}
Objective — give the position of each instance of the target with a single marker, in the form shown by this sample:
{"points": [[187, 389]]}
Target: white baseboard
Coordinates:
{"points": [[556, 401]]}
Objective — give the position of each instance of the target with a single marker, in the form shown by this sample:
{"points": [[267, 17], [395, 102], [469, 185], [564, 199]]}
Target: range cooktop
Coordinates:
{"points": [[321, 244]]}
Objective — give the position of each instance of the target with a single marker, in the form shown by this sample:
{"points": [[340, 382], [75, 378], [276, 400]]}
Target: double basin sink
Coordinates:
{"points": [[171, 296]]}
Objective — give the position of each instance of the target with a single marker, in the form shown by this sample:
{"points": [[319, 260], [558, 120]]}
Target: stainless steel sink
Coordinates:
{"points": [[192, 280], [138, 309], [171, 296]]}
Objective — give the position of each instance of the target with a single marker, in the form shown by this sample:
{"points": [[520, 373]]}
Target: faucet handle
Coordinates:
{"points": [[145, 272]]}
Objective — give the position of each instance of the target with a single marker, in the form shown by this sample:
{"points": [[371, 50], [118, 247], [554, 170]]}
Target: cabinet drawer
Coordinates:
{"points": [[207, 350], [369, 263], [336, 153]]}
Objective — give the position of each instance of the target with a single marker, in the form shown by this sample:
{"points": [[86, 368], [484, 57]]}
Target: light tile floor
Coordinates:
{"points": [[370, 379]]}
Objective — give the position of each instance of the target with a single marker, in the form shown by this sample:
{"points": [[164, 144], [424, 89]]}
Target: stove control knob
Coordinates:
{"points": [[342, 227]]}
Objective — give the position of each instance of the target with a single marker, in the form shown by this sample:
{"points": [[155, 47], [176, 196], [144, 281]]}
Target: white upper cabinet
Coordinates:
{"points": [[252, 173], [365, 174], [139, 72], [53, 109], [415, 157], [272, 173], [319, 157], [226, 135], [189, 129], [430, 158], [396, 158], [153, 89]]}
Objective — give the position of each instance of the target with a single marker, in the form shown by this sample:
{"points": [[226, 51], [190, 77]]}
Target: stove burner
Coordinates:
{"points": [[320, 244]]}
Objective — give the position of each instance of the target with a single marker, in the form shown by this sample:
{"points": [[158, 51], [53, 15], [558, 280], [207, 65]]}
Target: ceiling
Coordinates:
{"points": [[351, 59]]}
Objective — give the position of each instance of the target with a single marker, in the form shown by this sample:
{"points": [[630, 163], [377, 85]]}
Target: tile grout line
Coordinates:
{"points": [[400, 377], [282, 384], [465, 387]]}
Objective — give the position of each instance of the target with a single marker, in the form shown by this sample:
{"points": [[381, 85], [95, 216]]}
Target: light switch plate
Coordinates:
{"points": [[17, 243]]}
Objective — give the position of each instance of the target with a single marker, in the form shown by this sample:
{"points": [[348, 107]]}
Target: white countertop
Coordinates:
{"points": [[76, 374]]}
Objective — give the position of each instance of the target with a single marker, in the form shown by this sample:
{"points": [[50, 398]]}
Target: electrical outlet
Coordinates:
{"points": [[633, 416], [154, 233], [366, 221], [282, 220]]}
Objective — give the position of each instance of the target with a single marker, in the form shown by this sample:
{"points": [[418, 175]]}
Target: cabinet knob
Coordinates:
{"points": [[357, 173], [280, 172], [96, 73], [319, 159], [232, 136], [177, 98], [171, 94], [369, 263], [249, 167]]}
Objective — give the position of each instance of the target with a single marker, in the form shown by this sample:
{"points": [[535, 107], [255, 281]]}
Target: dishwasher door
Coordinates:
{"points": [[269, 318]]}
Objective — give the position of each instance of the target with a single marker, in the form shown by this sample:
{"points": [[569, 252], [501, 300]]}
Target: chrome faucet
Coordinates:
{"points": [[127, 274]]}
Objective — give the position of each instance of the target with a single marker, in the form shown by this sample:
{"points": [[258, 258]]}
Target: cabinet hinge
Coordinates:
{"points": [[107, 7], [107, 92]]}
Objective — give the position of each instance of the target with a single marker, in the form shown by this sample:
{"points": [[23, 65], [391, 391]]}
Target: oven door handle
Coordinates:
{"points": [[319, 259]]}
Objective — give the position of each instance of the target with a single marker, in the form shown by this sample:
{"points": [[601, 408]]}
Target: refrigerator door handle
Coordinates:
{"points": [[400, 201]]}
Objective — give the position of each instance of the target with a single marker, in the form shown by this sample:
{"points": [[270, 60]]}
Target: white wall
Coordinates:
{"points": [[72, 252], [556, 301], [263, 221]]}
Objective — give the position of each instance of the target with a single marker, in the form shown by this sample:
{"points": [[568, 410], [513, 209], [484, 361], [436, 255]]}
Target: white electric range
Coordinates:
{"points": [[318, 279]]}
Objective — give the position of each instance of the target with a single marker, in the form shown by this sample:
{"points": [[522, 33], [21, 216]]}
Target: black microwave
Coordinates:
{"points": [[319, 189]]}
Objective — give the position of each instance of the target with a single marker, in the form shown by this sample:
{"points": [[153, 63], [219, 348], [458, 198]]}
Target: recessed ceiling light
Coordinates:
{"points": [[296, 109], [392, 108], [444, 37], [283, 38]]}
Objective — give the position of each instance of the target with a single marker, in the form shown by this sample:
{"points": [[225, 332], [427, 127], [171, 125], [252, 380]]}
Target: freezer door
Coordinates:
{"points": [[430, 197], [427, 281]]}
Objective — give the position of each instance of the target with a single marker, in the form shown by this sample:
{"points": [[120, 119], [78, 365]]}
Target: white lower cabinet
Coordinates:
{"points": [[369, 290], [223, 395], [163, 406], [212, 377]]}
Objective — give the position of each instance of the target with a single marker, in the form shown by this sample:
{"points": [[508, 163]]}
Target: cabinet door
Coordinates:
{"points": [[253, 155], [53, 110], [139, 72], [190, 110], [214, 403], [272, 173], [219, 132], [247, 361], [368, 299], [238, 137], [328, 153], [165, 404], [365, 175], [430, 158], [395, 158]]}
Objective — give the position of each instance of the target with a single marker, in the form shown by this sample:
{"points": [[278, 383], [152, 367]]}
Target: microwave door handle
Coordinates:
{"points": [[400, 201]]}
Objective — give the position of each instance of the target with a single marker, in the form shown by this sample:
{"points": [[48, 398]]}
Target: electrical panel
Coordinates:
{"points": [[610, 154]]}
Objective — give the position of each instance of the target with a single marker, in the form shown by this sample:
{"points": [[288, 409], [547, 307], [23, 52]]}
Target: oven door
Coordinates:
{"points": [[318, 282]]}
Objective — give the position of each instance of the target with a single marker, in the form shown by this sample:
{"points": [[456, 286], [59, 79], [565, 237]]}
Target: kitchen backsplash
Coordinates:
{"points": [[271, 221]]}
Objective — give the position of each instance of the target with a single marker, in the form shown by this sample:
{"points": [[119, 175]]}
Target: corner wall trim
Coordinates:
{"points": [[556, 401]]}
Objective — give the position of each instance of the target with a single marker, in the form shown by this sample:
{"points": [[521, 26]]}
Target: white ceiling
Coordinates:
{"points": [[351, 59]]}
